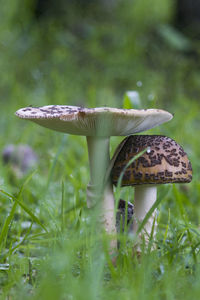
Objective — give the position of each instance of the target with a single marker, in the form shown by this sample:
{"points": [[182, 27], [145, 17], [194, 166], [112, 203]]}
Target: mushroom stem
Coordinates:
{"points": [[145, 197], [98, 152], [99, 158]]}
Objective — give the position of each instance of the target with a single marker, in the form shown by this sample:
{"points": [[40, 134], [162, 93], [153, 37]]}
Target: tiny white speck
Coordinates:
{"points": [[148, 149]]}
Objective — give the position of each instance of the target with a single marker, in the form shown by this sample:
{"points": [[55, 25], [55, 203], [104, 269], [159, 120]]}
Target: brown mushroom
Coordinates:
{"points": [[164, 161]]}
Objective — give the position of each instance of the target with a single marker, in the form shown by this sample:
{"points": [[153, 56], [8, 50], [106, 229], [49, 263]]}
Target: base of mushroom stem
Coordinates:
{"points": [[103, 201], [103, 205], [145, 238], [142, 242], [107, 218]]}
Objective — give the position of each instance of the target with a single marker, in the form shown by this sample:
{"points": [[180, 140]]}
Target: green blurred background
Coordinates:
{"points": [[90, 53]]}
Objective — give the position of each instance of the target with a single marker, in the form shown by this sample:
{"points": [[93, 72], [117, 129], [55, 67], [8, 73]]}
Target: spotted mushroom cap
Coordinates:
{"points": [[101, 121], [165, 161]]}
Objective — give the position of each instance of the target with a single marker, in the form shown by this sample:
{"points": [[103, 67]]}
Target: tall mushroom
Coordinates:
{"points": [[97, 124], [164, 162]]}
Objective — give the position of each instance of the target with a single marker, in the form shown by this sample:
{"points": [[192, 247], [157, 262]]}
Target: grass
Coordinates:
{"points": [[49, 246]]}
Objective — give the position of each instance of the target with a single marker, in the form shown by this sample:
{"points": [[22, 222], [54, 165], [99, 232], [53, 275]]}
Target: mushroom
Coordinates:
{"points": [[163, 162], [97, 124]]}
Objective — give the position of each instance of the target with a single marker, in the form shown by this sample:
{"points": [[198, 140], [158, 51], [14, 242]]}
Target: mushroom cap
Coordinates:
{"points": [[165, 161], [101, 121]]}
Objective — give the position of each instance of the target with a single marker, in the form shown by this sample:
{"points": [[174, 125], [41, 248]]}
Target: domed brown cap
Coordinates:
{"points": [[100, 121], [164, 161]]}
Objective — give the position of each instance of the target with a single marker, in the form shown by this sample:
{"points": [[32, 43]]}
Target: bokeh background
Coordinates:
{"points": [[90, 53]]}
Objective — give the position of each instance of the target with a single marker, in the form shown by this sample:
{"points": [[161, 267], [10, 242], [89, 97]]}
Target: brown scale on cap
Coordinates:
{"points": [[164, 161], [50, 111]]}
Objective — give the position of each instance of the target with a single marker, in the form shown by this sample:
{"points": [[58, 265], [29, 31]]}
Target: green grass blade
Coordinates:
{"points": [[22, 205], [53, 165], [33, 217], [25, 183], [148, 215], [25, 208], [62, 207], [119, 182], [9, 219], [7, 223], [25, 237]]}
